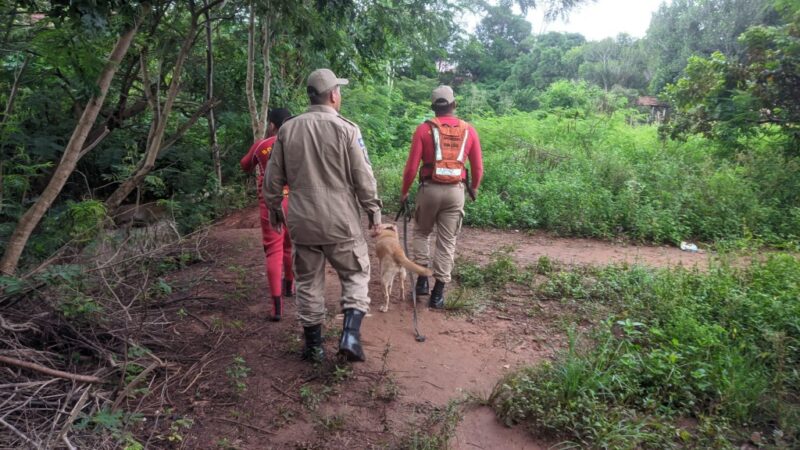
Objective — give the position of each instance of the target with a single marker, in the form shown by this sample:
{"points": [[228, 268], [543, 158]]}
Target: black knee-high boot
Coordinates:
{"points": [[350, 344]]}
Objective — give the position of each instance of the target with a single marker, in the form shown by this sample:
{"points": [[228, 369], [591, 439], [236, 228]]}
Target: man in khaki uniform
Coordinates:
{"points": [[321, 157], [443, 145]]}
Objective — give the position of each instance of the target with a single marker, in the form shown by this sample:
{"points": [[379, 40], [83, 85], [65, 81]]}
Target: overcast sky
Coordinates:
{"points": [[602, 19], [597, 20]]}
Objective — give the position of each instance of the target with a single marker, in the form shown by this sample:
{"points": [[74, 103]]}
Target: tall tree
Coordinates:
{"points": [[758, 91], [503, 35], [546, 61], [74, 150], [610, 62], [258, 112], [162, 111], [686, 28], [212, 123]]}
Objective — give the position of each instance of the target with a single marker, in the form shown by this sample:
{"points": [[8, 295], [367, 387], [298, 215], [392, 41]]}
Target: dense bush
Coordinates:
{"points": [[576, 170], [690, 358]]}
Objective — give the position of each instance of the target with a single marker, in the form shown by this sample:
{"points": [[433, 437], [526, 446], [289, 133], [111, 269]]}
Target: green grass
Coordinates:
{"points": [[689, 359], [478, 285], [581, 173], [437, 429]]}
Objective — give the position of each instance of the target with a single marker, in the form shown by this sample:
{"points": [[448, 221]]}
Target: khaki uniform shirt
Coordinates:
{"points": [[321, 157]]}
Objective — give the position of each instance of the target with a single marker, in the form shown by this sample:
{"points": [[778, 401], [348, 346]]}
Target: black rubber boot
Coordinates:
{"points": [[313, 350], [277, 308], [350, 344], [288, 288], [422, 286], [437, 296]]}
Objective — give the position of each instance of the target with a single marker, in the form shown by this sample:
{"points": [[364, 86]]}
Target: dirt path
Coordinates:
{"points": [[527, 248], [400, 395]]}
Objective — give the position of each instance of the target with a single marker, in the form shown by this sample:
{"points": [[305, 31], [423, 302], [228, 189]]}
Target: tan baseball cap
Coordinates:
{"points": [[323, 80], [443, 95]]}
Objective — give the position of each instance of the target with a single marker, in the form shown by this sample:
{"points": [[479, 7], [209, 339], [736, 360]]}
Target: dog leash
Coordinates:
{"points": [[404, 212]]}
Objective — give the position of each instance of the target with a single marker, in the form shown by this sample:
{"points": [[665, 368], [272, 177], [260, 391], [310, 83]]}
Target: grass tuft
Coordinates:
{"points": [[720, 350]]}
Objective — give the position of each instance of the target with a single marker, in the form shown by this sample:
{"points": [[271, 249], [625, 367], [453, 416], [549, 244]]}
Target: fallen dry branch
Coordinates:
{"points": [[19, 433], [127, 320], [285, 393], [135, 382], [49, 371]]}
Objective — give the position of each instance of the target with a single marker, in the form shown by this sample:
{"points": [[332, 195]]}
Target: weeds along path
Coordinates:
{"points": [[253, 392]]}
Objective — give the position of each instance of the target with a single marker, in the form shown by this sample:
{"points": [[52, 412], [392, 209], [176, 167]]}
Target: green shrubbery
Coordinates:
{"points": [[690, 358], [581, 168]]}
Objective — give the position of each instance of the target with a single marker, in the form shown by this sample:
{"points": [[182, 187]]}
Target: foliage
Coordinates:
{"points": [[547, 60], [86, 218], [581, 168], [502, 68], [727, 96], [439, 427], [237, 372], [53, 53], [500, 270], [717, 351], [614, 62], [685, 28]]}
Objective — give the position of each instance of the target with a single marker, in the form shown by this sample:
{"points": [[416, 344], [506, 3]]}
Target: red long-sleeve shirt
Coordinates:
{"points": [[258, 156], [422, 151]]}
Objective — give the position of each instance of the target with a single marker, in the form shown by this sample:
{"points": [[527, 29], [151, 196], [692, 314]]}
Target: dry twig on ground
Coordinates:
{"points": [[108, 320]]}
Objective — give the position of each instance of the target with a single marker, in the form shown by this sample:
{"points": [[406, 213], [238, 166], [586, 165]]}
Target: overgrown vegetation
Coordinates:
{"points": [[578, 170], [689, 358], [102, 315], [437, 430], [113, 137]]}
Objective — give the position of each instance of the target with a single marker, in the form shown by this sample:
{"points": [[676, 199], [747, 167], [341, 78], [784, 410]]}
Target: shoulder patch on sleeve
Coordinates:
{"points": [[360, 141]]}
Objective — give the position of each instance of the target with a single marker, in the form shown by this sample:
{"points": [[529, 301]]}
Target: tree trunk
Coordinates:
{"points": [[258, 118], [2, 173], [159, 125], [265, 90], [201, 111], [12, 96], [212, 126], [249, 81], [69, 159], [9, 24]]}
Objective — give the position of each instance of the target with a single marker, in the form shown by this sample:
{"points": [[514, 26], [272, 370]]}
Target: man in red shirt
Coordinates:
{"points": [[442, 144], [277, 245]]}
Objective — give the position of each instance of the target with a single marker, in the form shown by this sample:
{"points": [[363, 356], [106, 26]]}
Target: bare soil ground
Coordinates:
{"points": [[407, 393]]}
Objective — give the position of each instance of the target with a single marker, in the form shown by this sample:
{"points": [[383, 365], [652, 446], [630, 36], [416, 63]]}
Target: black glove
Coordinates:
{"points": [[403, 211], [276, 219]]}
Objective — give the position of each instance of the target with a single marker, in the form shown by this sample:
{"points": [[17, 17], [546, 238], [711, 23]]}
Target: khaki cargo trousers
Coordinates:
{"points": [[351, 262], [440, 205]]}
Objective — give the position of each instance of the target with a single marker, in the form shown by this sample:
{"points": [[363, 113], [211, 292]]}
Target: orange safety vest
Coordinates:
{"points": [[449, 143]]}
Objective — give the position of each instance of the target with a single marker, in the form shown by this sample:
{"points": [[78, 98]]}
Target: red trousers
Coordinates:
{"points": [[278, 251]]}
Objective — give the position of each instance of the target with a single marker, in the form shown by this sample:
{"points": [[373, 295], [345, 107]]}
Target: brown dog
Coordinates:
{"points": [[393, 261]]}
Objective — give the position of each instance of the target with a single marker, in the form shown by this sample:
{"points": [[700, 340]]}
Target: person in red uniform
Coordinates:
{"points": [[442, 145], [277, 244]]}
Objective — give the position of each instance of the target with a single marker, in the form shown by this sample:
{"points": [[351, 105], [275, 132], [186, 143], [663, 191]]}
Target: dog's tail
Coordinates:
{"points": [[401, 259]]}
